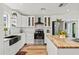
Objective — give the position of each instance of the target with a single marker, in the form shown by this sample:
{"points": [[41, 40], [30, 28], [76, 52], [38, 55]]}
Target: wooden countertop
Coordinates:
{"points": [[63, 43]]}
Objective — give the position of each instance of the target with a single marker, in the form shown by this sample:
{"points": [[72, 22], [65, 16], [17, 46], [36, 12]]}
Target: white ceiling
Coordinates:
{"points": [[51, 8]]}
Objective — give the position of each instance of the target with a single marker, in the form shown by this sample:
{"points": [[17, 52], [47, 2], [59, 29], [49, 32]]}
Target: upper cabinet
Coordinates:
{"points": [[24, 21], [19, 20], [31, 21], [47, 21]]}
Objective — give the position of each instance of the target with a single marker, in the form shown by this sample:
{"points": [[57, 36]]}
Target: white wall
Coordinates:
{"points": [[3, 10], [1, 29]]}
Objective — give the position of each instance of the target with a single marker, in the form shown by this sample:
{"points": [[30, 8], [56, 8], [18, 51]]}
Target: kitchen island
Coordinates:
{"points": [[61, 46]]}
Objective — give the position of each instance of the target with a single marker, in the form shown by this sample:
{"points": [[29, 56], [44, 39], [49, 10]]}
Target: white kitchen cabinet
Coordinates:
{"points": [[19, 20], [30, 35], [47, 24], [30, 29], [47, 21], [51, 48], [6, 48], [30, 39], [24, 21], [13, 49], [31, 21]]}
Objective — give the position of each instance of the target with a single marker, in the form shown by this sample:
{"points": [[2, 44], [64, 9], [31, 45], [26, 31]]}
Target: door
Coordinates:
{"points": [[73, 29], [53, 27]]}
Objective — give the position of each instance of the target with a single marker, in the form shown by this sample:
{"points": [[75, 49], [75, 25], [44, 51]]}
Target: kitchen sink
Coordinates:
{"points": [[12, 36]]}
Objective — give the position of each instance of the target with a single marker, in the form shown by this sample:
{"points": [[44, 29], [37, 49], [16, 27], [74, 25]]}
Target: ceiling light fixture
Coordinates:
{"points": [[62, 4], [43, 9], [67, 10]]}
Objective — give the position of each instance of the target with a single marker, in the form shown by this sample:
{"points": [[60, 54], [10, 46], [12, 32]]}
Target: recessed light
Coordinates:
{"points": [[67, 10]]}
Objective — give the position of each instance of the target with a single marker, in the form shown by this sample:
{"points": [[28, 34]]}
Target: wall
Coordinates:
{"points": [[1, 29], [3, 10], [13, 30]]}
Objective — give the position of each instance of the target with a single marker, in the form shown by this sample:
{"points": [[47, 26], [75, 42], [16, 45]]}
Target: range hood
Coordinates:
{"points": [[39, 21]]}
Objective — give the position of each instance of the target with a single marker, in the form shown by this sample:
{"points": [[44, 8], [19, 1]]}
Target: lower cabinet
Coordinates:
{"points": [[13, 49], [30, 38], [51, 48], [30, 35]]}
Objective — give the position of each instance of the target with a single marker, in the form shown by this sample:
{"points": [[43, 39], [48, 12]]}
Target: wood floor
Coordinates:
{"points": [[31, 49]]}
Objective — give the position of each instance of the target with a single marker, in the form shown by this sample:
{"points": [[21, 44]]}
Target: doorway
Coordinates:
{"points": [[73, 29]]}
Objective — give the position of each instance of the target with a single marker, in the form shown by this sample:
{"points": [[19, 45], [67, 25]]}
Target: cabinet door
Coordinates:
{"points": [[30, 35], [51, 48], [6, 48], [19, 20], [47, 21], [31, 21], [24, 21], [30, 39]]}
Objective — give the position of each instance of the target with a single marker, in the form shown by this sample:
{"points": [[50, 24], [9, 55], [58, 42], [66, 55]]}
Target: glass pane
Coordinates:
{"points": [[48, 21], [45, 21], [32, 21], [29, 21]]}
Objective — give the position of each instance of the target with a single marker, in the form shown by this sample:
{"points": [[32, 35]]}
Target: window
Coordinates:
{"points": [[45, 21]]}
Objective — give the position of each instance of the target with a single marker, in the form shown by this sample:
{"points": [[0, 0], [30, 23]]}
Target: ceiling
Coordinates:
{"points": [[47, 8]]}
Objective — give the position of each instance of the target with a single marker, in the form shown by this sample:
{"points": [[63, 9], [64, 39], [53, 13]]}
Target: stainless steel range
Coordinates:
{"points": [[39, 32]]}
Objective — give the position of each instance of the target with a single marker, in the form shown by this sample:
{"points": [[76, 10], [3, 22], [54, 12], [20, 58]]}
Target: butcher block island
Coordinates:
{"points": [[61, 46]]}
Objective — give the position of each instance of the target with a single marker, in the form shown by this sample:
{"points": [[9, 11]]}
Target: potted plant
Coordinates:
{"points": [[59, 20], [62, 34], [5, 29]]}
